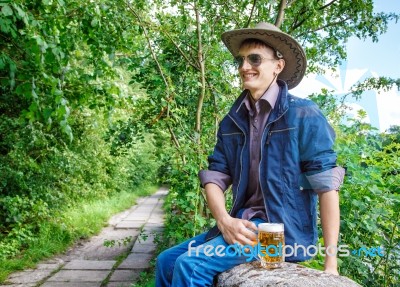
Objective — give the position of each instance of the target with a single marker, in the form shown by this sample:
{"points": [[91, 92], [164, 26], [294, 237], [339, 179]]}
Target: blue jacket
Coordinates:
{"points": [[296, 142]]}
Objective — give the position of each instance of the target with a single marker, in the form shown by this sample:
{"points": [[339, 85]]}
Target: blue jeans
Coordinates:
{"points": [[196, 261]]}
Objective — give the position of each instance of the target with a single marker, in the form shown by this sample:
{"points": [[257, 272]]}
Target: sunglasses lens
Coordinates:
{"points": [[239, 60], [254, 59]]}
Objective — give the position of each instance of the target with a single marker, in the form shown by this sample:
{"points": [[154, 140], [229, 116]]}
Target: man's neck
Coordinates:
{"points": [[256, 95]]}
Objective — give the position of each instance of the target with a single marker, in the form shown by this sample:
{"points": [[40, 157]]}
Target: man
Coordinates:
{"points": [[276, 152]]}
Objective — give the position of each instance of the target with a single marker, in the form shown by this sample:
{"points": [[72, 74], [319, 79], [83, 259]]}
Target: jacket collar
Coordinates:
{"points": [[239, 112]]}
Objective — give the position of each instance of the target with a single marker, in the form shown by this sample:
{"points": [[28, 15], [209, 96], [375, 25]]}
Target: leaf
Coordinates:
{"points": [[21, 13], [6, 10], [2, 63], [94, 22]]}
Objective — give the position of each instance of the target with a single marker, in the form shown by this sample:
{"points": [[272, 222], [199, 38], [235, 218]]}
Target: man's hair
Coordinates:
{"points": [[258, 43]]}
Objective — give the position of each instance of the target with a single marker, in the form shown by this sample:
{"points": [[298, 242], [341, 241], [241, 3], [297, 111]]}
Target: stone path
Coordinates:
{"points": [[91, 264]]}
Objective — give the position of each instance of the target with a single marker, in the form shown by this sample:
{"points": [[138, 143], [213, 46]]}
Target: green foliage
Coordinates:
{"points": [[42, 178], [79, 221], [64, 88], [97, 97], [370, 201], [369, 197]]}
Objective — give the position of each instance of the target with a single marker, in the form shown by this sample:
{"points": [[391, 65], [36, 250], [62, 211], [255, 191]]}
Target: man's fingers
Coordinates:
{"points": [[249, 232], [250, 225], [246, 237], [241, 232]]}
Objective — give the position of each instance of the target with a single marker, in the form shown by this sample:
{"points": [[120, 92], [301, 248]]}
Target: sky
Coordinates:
{"points": [[366, 59]]}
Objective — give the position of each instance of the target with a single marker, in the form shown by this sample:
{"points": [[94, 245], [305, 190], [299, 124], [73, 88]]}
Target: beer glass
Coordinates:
{"points": [[271, 239]]}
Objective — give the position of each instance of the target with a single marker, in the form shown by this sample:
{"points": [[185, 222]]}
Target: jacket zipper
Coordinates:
{"points": [[261, 156], [240, 179], [241, 157]]}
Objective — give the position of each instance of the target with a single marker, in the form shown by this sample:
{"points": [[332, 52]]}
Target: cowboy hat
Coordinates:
{"points": [[292, 52]]}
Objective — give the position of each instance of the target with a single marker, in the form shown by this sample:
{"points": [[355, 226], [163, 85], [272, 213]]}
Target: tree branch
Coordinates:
{"points": [[216, 118], [196, 66], [296, 24], [281, 13], [327, 5], [326, 26], [202, 72], [251, 14], [175, 140], [146, 35]]}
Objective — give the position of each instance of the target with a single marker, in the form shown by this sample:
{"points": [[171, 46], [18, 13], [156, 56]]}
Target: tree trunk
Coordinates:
{"points": [[289, 275]]}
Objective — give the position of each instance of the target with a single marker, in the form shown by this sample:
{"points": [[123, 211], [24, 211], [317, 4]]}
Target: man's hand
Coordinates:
{"points": [[233, 230], [331, 265], [236, 230]]}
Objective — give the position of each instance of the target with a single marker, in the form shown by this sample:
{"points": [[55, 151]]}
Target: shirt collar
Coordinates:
{"points": [[270, 96]]}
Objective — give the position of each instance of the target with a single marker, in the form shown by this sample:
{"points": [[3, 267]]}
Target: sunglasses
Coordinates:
{"points": [[254, 60]]}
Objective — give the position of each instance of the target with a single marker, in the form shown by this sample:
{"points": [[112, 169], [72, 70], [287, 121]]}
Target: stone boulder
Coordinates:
{"points": [[289, 275]]}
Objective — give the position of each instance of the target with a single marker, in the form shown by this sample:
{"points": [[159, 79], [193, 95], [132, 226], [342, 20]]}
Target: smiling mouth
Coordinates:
{"points": [[248, 76]]}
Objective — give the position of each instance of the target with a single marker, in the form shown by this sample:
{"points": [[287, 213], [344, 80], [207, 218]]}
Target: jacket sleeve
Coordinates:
{"points": [[218, 170], [317, 157]]}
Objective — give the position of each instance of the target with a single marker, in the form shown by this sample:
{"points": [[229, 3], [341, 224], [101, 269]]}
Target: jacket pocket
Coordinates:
{"points": [[303, 210], [278, 134]]}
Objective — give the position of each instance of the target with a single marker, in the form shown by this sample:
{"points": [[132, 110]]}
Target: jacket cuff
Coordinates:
{"points": [[327, 180], [211, 176]]}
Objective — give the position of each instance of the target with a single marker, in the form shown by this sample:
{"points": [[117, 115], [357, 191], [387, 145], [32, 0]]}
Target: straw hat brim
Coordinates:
{"points": [[293, 53]]}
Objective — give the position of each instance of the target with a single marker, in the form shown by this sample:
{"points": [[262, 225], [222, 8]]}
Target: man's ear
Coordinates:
{"points": [[280, 66]]}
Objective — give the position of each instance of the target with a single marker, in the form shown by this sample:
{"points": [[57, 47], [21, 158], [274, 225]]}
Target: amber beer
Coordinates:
{"points": [[271, 239]]}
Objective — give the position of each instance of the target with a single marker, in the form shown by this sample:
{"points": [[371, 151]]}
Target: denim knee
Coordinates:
{"points": [[184, 271], [162, 258], [164, 268]]}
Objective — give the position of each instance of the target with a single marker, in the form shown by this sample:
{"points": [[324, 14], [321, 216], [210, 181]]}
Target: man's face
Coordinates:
{"points": [[258, 78]]}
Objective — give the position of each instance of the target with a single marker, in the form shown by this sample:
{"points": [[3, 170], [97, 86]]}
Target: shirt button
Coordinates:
{"points": [[255, 121]]}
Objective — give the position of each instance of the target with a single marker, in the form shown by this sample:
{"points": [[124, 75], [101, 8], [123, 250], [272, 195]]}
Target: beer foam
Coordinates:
{"points": [[271, 227]]}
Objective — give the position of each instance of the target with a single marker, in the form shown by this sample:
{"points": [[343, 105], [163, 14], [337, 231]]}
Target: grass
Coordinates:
{"points": [[147, 278], [81, 221]]}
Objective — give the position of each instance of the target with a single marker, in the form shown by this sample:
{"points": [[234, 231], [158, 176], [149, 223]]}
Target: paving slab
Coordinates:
{"points": [[158, 220], [156, 211], [143, 210], [26, 277], [125, 275], [150, 239], [151, 200], [46, 266], [144, 248], [136, 261], [153, 227], [130, 224], [54, 260], [137, 217], [71, 284], [119, 284], [79, 276], [120, 216], [20, 285], [89, 265], [95, 249]]}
